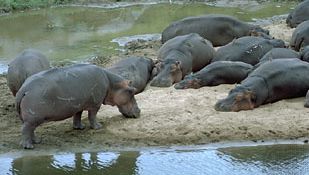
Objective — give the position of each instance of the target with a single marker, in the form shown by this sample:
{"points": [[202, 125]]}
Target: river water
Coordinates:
{"points": [[285, 159], [77, 33]]}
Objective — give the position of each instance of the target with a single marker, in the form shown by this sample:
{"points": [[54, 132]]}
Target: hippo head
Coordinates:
{"points": [[190, 81], [238, 99], [277, 43], [258, 29], [122, 96], [260, 34], [167, 73]]}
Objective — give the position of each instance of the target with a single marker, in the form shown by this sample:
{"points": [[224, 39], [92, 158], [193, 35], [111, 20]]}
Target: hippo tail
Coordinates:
{"points": [[19, 96]]}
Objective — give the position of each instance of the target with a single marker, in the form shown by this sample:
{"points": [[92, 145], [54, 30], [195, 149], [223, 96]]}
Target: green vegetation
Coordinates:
{"points": [[8, 5]]}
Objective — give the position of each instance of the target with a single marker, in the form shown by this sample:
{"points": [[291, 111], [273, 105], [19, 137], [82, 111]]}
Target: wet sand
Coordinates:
{"points": [[169, 117]]}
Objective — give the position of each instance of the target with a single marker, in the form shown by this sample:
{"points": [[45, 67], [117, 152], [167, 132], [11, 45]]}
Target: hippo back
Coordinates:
{"points": [[29, 62], [300, 36], [276, 53]]}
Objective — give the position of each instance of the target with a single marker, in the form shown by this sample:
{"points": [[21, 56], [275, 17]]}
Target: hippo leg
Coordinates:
{"points": [[77, 123], [28, 137], [92, 116]]}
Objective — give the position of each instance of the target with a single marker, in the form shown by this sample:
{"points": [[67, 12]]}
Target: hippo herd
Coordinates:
{"points": [[265, 69]]}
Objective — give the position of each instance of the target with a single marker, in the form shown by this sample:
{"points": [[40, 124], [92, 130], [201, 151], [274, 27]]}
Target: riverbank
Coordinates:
{"points": [[169, 117]]}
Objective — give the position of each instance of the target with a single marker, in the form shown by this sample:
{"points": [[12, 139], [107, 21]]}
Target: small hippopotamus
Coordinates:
{"points": [[180, 56], [304, 54], [300, 36], [248, 49], [60, 93], [136, 69], [278, 53], [218, 29], [220, 72], [299, 14], [271, 82], [29, 62]]}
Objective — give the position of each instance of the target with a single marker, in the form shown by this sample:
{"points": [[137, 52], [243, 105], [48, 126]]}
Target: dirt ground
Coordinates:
{"points": [[169, 117]]}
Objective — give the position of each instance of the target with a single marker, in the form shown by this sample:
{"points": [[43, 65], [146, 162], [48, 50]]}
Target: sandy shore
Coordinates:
{"points": [[169, 117]]}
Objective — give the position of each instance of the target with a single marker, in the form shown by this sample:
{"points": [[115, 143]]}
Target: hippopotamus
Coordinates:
{"points": [[248, 49], [220, 72], [180, 56], [218, 29], [272, 81], [60, 93], [278, 53], [304, 54], [29, 62], [307, 100], [136, 69], [299, 14], [300, 36]]}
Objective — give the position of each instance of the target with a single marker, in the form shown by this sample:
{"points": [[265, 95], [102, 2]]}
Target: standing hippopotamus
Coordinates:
{"points": [[304, 54], [60, 93], [300, 36], [248, 49], [136, 69], [179, 57], [272, 81], [29, 62], [299, 14], [278, 53], [220, 72], [218, 29]]}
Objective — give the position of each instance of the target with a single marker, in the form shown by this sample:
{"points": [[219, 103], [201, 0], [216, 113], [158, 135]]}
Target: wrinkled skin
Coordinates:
{"points": [[29, 62], [300, 36], [136, 69], [218, 29], [304, 55], [220, 72], [179, 57], [271, 82], [248, 49], [61, 93], [299, 14]]}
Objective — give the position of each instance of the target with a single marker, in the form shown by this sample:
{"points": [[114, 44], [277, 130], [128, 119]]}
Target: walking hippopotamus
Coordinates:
{"points": [[220, 72], [136, 69], [248, 49], [300, 36], [299, 14], [218, 29], [278, 53], [60, 93], [29, 62], [304, 54], [180, 56], [272, 81]]}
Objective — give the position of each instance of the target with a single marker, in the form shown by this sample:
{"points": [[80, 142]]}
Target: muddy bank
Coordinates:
{"points": [[169, 116]]}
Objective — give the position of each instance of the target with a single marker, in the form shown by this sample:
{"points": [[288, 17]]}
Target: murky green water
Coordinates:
{"points": [[253, 160], [79, 33]]}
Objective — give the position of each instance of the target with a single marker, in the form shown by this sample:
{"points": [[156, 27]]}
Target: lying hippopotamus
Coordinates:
{"points": [[299, 14], [272, 81], [220, 72], [300, 36], [278, 53], [136, 69], [29, 62], [304, 54], [248, 49], [218, 29], [179, 57], [60, 93]]}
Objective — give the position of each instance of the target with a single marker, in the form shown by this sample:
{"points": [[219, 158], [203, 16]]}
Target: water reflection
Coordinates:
{"points": [[257, 160]]}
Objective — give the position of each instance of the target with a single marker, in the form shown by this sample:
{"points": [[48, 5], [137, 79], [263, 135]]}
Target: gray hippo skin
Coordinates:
{"points": [[60, 93], [220, 72], [299, 14], [218, 29], [271, 82], [300, 36], [248, 49], [29, 62], [278, 53], [304, 54], [136, 69], [179, 57], [306, 105]]}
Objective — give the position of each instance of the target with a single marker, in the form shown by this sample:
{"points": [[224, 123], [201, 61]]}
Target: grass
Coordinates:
{"points": [[9, 5]]}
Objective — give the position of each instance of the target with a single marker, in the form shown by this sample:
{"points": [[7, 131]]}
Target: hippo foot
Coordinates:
{"points": [[79, 127], [36, 140], [96, 126], [26, 144]]}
